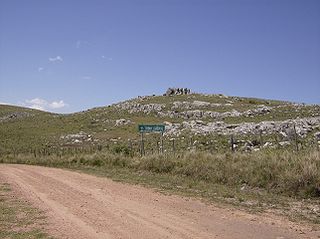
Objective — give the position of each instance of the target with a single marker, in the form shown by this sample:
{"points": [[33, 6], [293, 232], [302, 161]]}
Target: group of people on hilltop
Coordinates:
{"points": [[177, 91]]}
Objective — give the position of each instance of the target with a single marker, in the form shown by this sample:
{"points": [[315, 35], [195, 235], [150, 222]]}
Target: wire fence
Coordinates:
{"points": [[150, 144]]}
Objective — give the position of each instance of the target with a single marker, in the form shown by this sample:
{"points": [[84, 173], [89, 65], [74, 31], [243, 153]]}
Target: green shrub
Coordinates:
{"points": [[121, 149]]}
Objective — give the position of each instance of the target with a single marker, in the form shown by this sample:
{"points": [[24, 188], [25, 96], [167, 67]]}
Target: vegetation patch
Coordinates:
{"points": [[18, 219], [265, 180]]}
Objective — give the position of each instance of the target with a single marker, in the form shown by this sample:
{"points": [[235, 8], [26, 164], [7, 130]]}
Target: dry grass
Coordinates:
{"points": [[281, 172], [283, 182], [18, 219]]}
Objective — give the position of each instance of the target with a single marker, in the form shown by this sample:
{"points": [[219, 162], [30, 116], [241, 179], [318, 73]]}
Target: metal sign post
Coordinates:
{"points": [[149, 128], [162, 142]]}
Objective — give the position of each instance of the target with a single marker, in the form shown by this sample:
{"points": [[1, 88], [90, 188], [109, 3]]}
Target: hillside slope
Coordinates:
{"points": [[192, 120]]}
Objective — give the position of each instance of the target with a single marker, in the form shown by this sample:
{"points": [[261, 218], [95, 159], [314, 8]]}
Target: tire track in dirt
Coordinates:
{"points": [[84, 206], [127, 207]]}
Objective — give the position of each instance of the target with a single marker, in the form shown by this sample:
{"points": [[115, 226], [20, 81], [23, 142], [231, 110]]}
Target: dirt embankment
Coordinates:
{"points": [[84, 206]]}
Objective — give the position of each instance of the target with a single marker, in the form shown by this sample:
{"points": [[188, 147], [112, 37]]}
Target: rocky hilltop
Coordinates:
{"points": [[209, 119]]}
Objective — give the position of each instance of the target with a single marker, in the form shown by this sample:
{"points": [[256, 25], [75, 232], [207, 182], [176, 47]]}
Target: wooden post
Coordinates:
{"points": [[296, 137], [142, 146], [261, 139], [158, 147], [162, 143], [211, 146], [130, 148], [276, 140], [173, 146], [232, 143]]}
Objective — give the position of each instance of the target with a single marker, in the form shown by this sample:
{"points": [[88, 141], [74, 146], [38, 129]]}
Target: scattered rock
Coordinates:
{"points": [[78, 138], [172, 129], [121, 122], [284, 143], [267, 144], [303, 126], [317, 136], [187, 105], [134, 107], [201, 114], [14, 116]]}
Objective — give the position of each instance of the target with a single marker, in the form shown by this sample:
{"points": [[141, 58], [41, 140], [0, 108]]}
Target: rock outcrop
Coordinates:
{"points": [[177, 91], [302, 126], [187, 105], [121, 122], [78, 138], [134, 107], [202, 114]]}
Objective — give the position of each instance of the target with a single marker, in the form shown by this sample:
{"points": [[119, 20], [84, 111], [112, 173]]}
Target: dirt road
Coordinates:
{"points": [[84, 206]]}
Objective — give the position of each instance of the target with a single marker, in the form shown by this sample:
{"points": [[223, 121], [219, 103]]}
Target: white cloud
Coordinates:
{"points": [[41, 104], [104, 57], [40, 69], [37, 101], [57, 104], [57, 58], [87, 77], [37, 107]]}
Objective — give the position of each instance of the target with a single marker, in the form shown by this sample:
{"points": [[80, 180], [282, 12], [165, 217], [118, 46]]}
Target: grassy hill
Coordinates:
{"points": [[23, 129]]}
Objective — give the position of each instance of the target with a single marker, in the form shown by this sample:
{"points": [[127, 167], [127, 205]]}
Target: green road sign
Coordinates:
{"points": [[146, 128]]}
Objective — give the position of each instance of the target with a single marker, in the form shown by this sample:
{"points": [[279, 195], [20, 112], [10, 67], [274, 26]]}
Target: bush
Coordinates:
{"points": [[121, 149]]}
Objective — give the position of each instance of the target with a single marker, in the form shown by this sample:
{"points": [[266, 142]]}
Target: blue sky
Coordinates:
{"points": [[67, 56]]}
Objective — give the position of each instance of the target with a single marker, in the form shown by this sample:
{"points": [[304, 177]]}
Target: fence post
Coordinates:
{"points": [[276, 140], [162, 143], [232, 143], [130, 148], [142, 145], [296, 137], [158, 147], [173, 146], [261, 139]]}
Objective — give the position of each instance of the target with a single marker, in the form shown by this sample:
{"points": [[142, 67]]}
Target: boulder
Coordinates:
{"points": [[121, 122]]}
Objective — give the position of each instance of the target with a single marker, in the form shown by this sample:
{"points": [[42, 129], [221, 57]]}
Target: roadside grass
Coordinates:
{"points": [[18, 219], [280, 181], [252, 200]]}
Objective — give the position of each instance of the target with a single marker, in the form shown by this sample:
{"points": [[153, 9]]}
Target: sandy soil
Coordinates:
{"points": [[83, 206]]}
